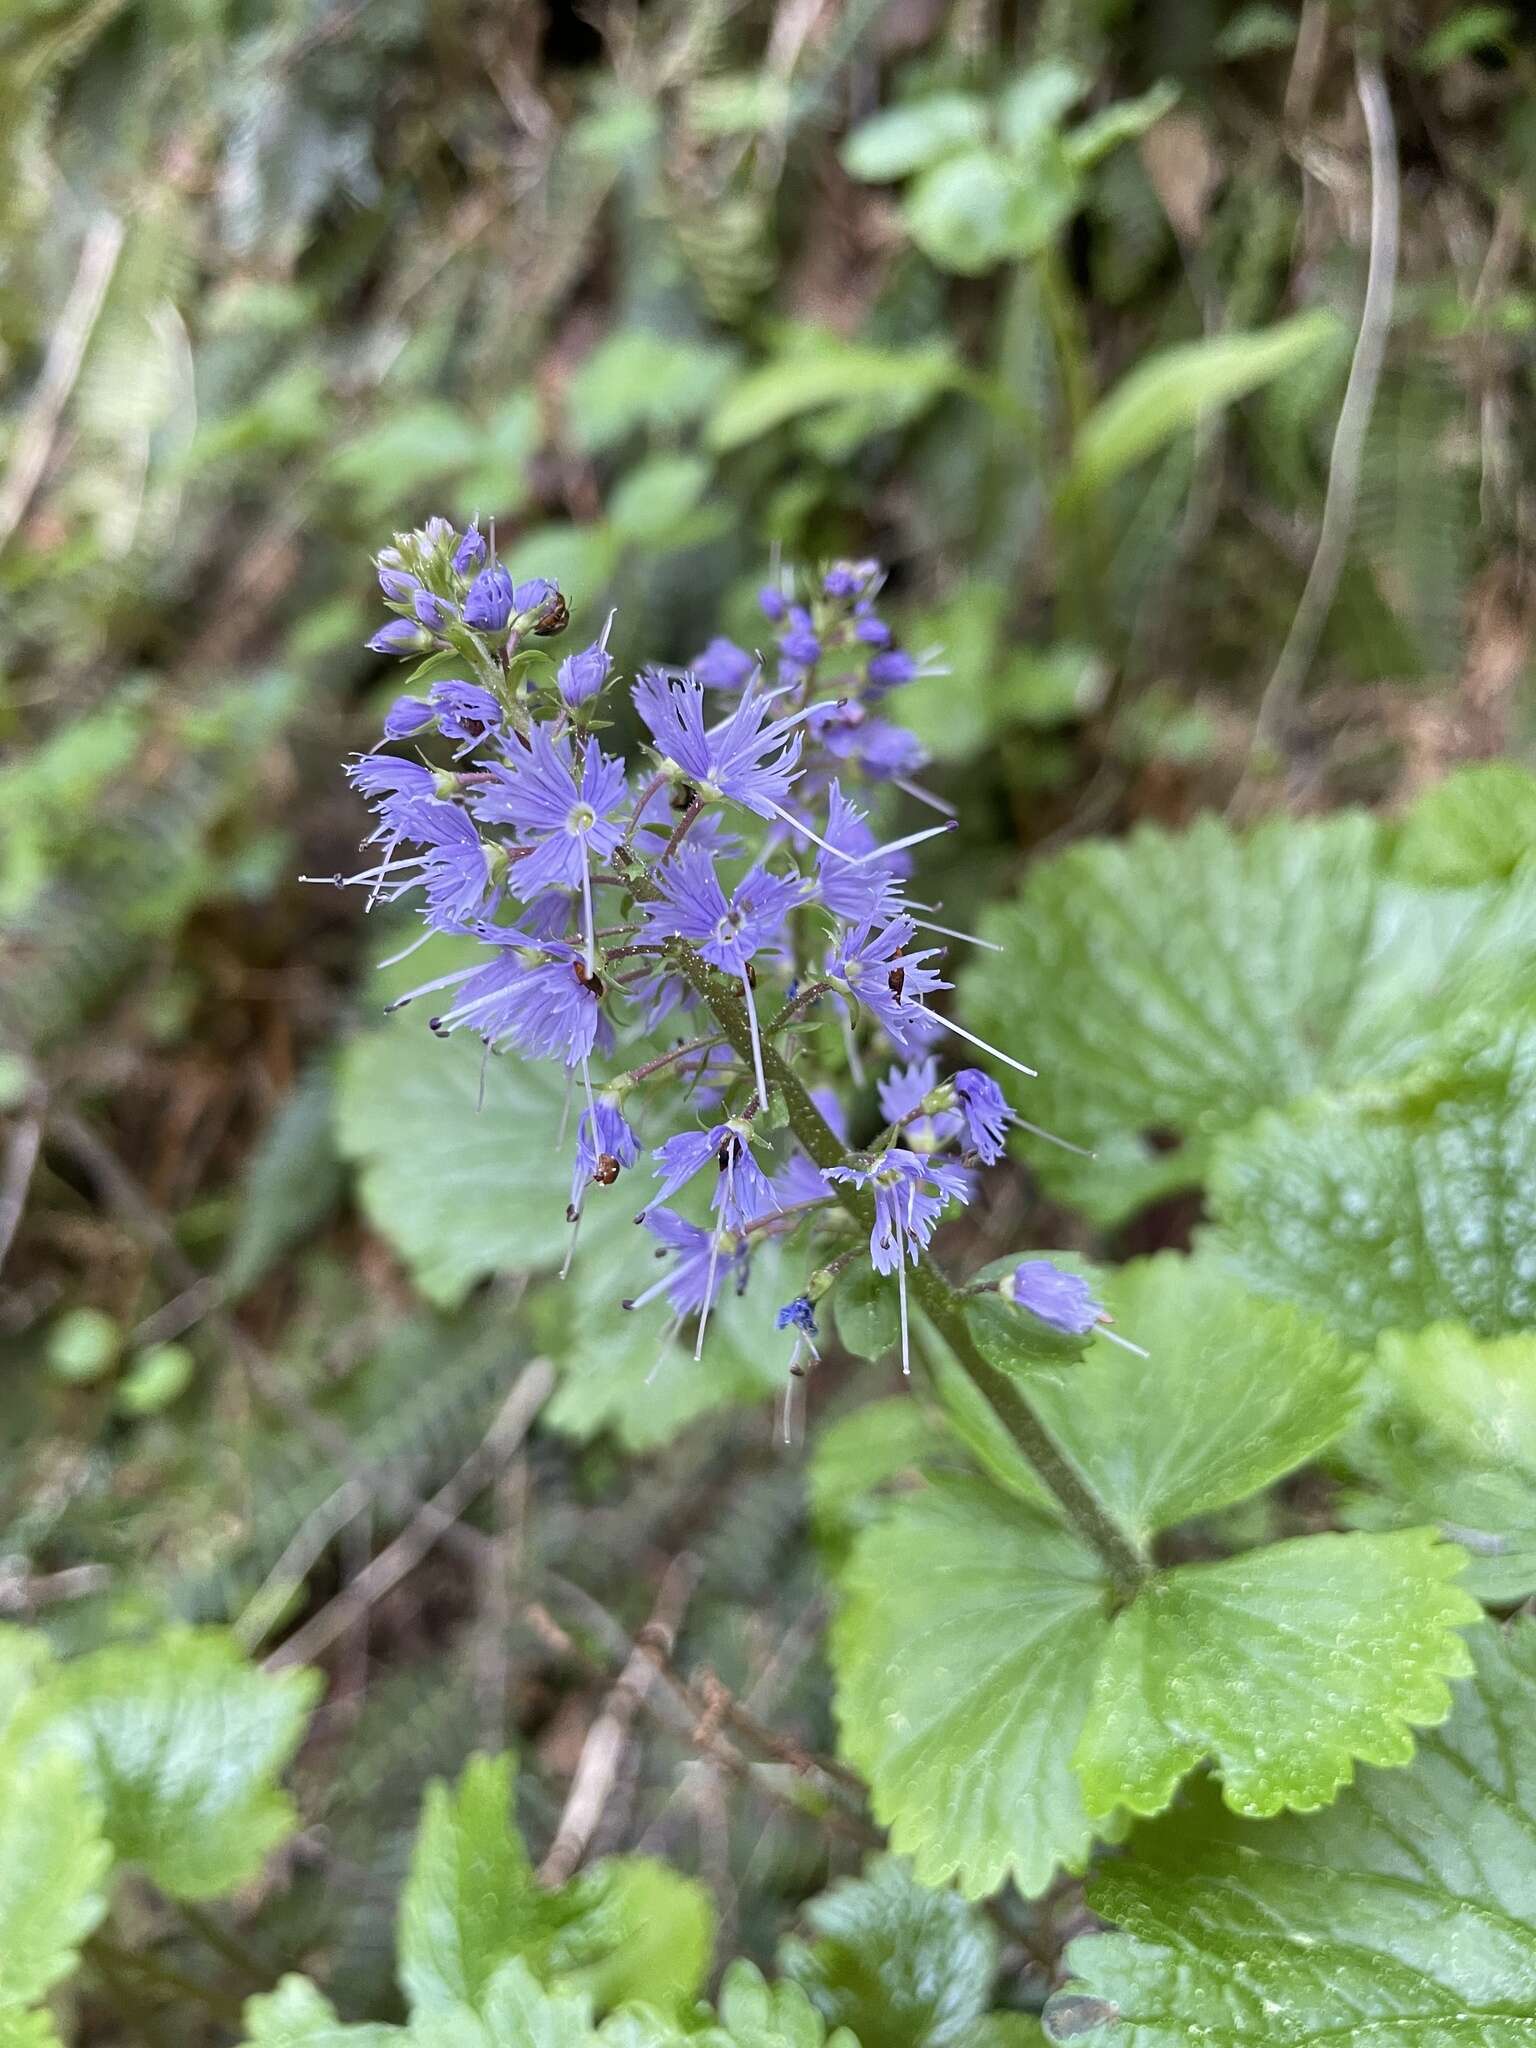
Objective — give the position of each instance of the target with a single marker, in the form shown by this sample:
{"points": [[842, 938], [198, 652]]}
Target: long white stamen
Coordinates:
{"points": [[970, 1037], [414, 947], [948, 931], [1124, 1342], [901, 1296], [656, 1287], [924, 796], [709, 1280], [789, 1397], [814, 837], [586, 1082], [430, 987], [485, 1061], [757, 1044], [570, 1250], [673, 1325], [602, 638], [900, 845], [589, 922], [1050, 1137], [851, 1048]]}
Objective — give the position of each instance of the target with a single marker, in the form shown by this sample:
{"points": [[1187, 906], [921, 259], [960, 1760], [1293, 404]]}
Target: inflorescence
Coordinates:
{"points": [[735, 875]]}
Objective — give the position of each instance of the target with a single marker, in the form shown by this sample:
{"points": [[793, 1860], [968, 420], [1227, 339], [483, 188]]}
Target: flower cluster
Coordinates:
{"points": [[729, 889]]}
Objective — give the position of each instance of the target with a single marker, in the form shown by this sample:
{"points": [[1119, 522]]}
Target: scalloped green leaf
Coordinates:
{"points": [[461, 1188], [965, 1650], [625, 1928], [470, 1900], [296, 2015], [1409, 1206], [1176, 984], [1001, 1713], [1284, 1666], [1404, 1913], [903, 1966], [1452, 1440], [899, 140], [181, 1742], [1478, 825], [53, 1863], [515, 2011], [1235, 1393], [755, 2013]]}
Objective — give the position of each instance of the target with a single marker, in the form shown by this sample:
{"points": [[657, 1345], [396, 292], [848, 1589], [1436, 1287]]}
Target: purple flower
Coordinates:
{"points": [[406, 717], [849, 733], [470, 552], [432, 612], [728, 760], [890, 668], [856, 890], [541, 999], [833, 1114], [741, 1191], [798, 1183], [397, 583], [1064, 1300], [771, 602], [798, 1314], [903, 1090], [538, 606], [871, 964], [489, 604], [911, 1194], [723, 665], [391, 785], [454, 871], [798, 642], [400, 636], [565, 822], [582, 675], [704, 1260], [873, 631], [726, 930], [465, 712], [987, 1114], [601, 1155]]}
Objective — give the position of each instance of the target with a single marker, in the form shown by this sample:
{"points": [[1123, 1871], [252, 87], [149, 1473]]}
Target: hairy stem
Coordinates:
{"points": [[943, 1304]]}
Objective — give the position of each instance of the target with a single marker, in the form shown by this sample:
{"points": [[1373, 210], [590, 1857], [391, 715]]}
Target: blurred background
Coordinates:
{"points": [[1176, 357]]}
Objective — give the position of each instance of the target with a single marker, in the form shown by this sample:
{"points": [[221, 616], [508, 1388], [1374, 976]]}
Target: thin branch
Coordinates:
{"points": [[1278, 702], [33, 444], [426, 1526], [601, 1753], [22, 1148]]}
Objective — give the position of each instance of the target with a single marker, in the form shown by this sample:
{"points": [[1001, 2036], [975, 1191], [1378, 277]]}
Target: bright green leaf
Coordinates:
{"points": [[638, 1930], [900, 140], [965, 1652], [857, 1453], [652, 501], [1124, 122], [827, 372], [470, 1900], [1476, 826], [1168, 392], [1404, 1913], [1235, 1394], [1453, 1441], [158, 1377], [1283, 1665], [1409, 1206], [1171, 985], [53, 1861], [972, 212], [902, 1966], [757, 2014], [637, 378], [460, 1190], [295, 2015], [515, 2012], [867, 1311], [182, 1742], [1030, 107]]}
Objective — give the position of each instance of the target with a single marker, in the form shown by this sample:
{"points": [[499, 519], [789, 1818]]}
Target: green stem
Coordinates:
{"points": [[944, 1305]]}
